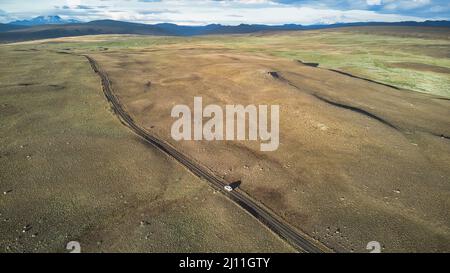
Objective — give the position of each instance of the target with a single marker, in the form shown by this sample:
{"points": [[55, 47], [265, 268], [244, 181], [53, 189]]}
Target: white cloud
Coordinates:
{"points": [[405, 4], [198, 12], [373, 2], [73, 3], [273, 14]]}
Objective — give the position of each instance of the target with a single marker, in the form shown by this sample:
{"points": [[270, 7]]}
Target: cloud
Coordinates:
{"points": [[269, 14], [73, 3], [74, 7], [423, 8], [147, 12], [405, 4], [373, 2], [5, 17], [232, 11]]}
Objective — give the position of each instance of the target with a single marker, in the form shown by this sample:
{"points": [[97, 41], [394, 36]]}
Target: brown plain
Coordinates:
{"points": [[358, 161]]}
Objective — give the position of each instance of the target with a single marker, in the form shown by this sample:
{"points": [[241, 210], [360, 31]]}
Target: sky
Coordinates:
{"points": [[230, 12]]}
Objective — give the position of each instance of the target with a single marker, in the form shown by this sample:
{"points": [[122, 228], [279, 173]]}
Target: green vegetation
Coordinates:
{"points": [[368, 55], [72, 171]]}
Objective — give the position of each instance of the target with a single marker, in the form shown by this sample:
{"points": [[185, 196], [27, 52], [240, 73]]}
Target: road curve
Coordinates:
{"points": [[298, 240]]}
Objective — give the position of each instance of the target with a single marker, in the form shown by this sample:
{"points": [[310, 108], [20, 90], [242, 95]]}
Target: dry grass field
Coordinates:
{"points": [[358, 161], [71, 171]]}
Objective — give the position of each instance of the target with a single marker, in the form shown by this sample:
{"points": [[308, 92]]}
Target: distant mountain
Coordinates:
{"points": [[44, 20], [70, 30], [177, 30], [8, 27], [428, 23], [14, 33]]}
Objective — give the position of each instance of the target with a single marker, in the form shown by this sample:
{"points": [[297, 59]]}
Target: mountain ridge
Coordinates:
{"points": [[14, 33], [44, 20]]}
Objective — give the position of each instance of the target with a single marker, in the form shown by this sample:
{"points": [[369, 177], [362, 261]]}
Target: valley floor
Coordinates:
{"points": [[70, 171], [359, 160]]}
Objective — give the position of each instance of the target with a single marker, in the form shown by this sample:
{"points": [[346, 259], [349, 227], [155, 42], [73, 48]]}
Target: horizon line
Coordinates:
{"points": [[240, 24]]}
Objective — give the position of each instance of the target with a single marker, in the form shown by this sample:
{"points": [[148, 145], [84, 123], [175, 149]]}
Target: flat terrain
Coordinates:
{"points": [[359, 161], [376, 53], [71, 171], [370, 52]]}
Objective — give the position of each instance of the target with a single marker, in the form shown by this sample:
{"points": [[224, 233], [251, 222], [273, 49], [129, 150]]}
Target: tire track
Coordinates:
{"points": [[298, 240]]}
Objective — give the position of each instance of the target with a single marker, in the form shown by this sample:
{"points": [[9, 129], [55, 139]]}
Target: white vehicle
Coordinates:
{"points": [[228, 188]]}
